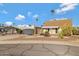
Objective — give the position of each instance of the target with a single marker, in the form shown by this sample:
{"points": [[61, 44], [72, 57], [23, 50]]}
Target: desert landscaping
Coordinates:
{"points": [[25, 39], [33, 30], [56, 37]]}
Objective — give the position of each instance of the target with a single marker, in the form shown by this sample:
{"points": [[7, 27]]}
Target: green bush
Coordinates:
{"points": [[75, 31], [66, 31], [19, 31], [46, 33], [60, 35]]}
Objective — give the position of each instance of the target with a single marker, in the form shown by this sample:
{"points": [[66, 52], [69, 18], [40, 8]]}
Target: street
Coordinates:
{"points": [[38, 50]]}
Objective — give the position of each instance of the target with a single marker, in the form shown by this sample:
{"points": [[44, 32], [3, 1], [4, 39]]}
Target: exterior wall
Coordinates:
{"points": [[44, 30], [52, 31], [8, 30], [11, 31], [59, 30], [37, 30]]}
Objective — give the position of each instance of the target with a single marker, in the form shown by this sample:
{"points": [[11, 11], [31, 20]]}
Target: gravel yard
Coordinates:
{"points": [[24, 39], [37, 37]]}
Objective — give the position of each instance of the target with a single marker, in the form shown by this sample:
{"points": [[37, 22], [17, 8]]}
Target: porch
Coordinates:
{"points": [[51, 29]]}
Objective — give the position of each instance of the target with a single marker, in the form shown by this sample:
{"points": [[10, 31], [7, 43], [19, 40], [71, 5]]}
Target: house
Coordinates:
{"points": [[7, 30], [27, 29], [55, 26], [1, 30], [10, 30]]}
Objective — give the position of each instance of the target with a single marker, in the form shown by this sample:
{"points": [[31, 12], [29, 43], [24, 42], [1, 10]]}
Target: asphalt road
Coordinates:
{"points": [[38, 50]]}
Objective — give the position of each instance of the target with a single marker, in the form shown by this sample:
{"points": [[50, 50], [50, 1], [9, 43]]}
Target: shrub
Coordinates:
{"points": [[60, 35], [66, 31], [75, 31], [46, 33], [19, 31]]}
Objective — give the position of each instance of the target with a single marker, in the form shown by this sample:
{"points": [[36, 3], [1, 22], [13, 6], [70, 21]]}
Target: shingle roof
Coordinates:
{"points": [[59, 23]]}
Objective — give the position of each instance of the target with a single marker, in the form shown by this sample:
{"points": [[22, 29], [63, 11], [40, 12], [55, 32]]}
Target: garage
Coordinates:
{"points": [[28, 31]]}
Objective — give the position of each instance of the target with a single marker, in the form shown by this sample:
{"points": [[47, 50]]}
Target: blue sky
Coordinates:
{"points": [[26, 13]]}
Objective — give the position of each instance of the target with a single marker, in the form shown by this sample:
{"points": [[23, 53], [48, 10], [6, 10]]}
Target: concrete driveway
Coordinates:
{"points": [[38, 50]]}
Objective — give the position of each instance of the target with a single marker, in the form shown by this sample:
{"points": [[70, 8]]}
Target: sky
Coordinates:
{"points": [[26, 13]]}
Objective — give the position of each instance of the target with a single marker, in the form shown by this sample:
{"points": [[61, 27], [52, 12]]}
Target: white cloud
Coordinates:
{"points": [[4, 12], [35, 16], [66, 7], [29, 13], [8, 23], [20, 17], [65, 4]]}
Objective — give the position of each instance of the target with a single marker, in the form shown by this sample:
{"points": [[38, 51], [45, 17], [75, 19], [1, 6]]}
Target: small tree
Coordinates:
{"points": [[61, 35], [75, 31], [67, 31]]}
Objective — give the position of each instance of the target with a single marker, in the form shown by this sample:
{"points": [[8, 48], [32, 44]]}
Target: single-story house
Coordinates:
{"points": [[26, 29], [54, 26], [29, 29], [8, 30]]}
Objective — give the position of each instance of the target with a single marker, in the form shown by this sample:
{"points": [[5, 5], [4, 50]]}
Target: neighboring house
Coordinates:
{"points": [[27, 29], [54, 26], [1, 30], [8, 30]]}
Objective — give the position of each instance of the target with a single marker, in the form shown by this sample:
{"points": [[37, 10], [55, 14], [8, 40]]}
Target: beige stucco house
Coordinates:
{"points": [[55, 26]]}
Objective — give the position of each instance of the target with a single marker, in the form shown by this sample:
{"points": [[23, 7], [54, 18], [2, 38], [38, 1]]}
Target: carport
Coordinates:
{"points": [[28, 31]]}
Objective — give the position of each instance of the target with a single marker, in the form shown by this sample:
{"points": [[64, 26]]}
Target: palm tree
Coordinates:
{"points": [[36, 19], [13, 28], [52, 11], [14, 24]]}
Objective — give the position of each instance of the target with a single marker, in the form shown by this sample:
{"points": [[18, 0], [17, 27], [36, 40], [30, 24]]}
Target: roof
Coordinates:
{"points": [[60, 23]]}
